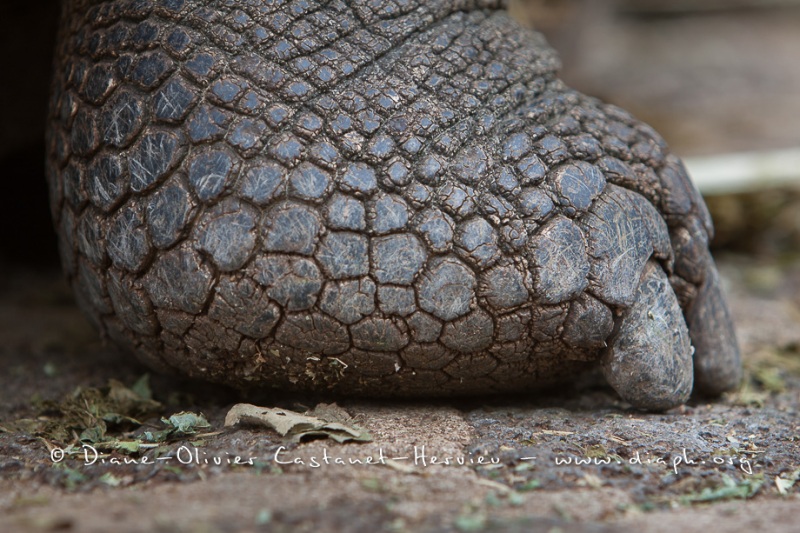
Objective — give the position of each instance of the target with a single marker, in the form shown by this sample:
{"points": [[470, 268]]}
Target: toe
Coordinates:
{"points": [[717, 360], [649, 358]]}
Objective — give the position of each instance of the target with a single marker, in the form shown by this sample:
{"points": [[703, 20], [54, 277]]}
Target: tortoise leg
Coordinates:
{"points": [[717, 361], [649, 356]]}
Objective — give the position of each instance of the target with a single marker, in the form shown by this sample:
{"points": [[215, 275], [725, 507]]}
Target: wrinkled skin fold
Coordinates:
{"points": [[386, 198]]}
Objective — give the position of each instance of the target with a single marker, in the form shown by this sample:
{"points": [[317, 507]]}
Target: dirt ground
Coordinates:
{"points": [[572, 459], [576, 459]]}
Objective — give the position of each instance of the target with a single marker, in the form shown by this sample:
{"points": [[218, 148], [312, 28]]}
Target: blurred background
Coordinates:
{"points": [[720, 79]]}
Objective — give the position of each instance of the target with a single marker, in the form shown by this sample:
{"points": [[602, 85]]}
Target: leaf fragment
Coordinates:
{"points": [[784, 485], [295, 425], [181, 424]]}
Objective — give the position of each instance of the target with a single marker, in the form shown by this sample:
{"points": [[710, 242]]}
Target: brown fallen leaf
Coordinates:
{"points": [[297, 426]]}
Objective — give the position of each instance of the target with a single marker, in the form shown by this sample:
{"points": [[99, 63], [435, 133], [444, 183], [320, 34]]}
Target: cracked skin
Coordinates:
{"points": [[381, 198]]}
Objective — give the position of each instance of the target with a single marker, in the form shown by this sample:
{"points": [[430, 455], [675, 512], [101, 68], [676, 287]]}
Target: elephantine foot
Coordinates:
{"points": [[371, 197]]}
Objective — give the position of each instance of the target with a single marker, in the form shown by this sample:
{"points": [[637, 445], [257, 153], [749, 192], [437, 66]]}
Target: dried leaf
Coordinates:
{"points": [[127, 446], [179, 425], [142, 387], [295, 425], [784, 485], [331, 412], [187, 422], [90, 412]]}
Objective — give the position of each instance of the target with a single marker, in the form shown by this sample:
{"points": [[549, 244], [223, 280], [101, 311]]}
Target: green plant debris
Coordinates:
{"points": [[263, 517], [732, 451], [172, 469], [515, 499], [770, 379], [294, 425], [89, 413], [469, 522], [531, 484], [788, 358], [748, 396], [785, 357], [110, 479], [645, 507], [50, 369], [493, 500], [142, 387], [372, 484], [525, 467], [93, 416], [770, 367], [501, 499], [126, 446], [260, 467], [729, 490], [179, 425], [785, 484], [71, 478], [36, 400], [596, 451]]}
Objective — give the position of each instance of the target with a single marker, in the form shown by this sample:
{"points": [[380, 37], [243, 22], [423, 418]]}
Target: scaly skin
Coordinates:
{"points": [[388, 198]]}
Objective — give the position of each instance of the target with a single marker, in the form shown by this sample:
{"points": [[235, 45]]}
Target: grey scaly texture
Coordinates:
{"points": [[377, 197]]}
